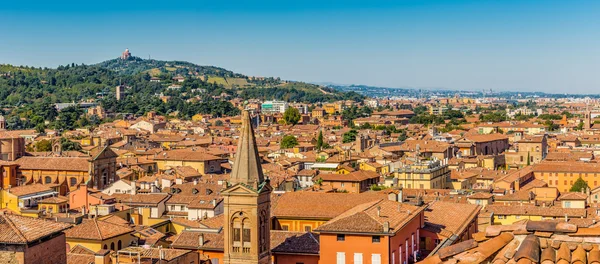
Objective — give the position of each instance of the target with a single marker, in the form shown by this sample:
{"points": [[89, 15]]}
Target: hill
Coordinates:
{"points": [[28, 94]]}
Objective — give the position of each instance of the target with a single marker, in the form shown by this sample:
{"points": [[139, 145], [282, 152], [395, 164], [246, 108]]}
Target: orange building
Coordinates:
{"points": [[376, 232]]}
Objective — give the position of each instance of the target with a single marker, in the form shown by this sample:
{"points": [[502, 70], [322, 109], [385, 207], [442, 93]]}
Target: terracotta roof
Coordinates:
{"points": [[23, 230], [141, 199], [371, 217], [189, 239], [480, 195], [54, 163], [96, 230], [318, 205], [572, 196], [355, 176], [29, 189], [169, 254], [294, 242], [449, 218], [535, 210], [185, 155]]}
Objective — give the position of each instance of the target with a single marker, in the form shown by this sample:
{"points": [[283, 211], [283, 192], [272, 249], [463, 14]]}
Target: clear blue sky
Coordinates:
{"points": [[551, 46]]}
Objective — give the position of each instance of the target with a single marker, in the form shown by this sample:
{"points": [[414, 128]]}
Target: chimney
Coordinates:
{"points": [[102, 257], [196, 181], [201, 240], [400, 196], [386, 227], [378, 211], [133, 188]]}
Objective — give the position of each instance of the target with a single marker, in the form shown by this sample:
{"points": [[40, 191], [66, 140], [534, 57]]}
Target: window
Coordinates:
{"points": [[246, 235], [307, 228], [502, 217], [567, 204], [48, 179], [73, 181], [342, 184], [341, 258], [172, 207], [376, 258], [285, 227], [517, 217], [119, 245], [358, 258], [341, 237], [112, 246], [375, 239]]}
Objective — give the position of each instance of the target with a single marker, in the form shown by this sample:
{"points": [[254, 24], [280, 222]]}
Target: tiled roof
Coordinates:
{"points": [[54, 163], [185, 155], [190, 239], [355, 176], [371, 217], [294, 242], [140, 199], [480, 195], [317, 204], [572, 196], [169, 254], [96, 230], [536, 210], [444, 217], [527, 242], [28, 189], [22, 230]]}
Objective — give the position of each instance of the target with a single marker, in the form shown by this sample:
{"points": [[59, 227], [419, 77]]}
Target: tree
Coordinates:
{"points": [[580, 185], [288, 141], [349, 136], [68, 145], [40, 146], [291, 116], [218, 123], [40, 128], [320, 140], [402, 136]]}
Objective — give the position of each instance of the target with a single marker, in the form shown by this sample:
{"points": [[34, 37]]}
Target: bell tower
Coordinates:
{"points": [[247, 204]]}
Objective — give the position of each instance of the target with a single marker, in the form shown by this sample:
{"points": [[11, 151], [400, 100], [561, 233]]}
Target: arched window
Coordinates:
{"points": [[73, 181], [105, 246], [48, 179], [236, 234], [112, 246], [119, 245]]}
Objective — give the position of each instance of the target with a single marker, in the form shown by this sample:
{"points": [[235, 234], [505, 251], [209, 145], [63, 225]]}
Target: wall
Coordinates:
{"points": [[96, 245], [50, 251], [293, 259], [353, 244]]}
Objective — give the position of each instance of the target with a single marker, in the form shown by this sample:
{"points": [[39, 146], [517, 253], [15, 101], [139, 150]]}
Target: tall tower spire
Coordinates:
{"points": [[247, 205], [246, 168]]}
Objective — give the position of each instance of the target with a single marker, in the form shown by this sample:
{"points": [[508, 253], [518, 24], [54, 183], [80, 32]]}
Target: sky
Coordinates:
{"points": [[526, 45]]}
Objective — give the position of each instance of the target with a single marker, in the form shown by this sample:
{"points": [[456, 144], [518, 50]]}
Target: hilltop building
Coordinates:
{"points": [[126, 54]]}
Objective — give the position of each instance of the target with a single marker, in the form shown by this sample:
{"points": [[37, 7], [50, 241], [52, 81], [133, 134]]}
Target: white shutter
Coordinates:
{"points": [[376, 259], [358, 258], [341, 258]]}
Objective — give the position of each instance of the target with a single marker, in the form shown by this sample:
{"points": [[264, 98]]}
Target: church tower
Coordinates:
{"points": [[247, 204]]}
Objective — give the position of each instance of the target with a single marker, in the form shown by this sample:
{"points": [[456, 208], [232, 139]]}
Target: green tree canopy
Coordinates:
{"points": [[349, 136], [288, 141], [291, 116], [579, 185]]}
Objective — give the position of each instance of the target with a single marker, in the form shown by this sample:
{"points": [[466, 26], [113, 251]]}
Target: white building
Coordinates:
{"points": [[274, 107]]}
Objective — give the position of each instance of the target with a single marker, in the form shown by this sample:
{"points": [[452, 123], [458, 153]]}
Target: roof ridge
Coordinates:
{"points": [[17, 230], [98, 228]]}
